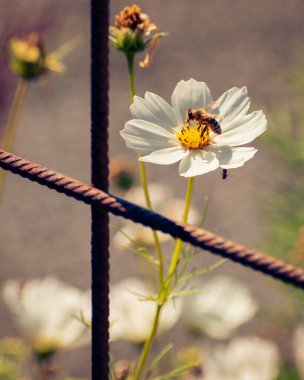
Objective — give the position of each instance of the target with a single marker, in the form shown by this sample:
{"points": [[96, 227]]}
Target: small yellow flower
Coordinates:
{"points": [[13, 347], [134, 32], [190, 355], [27, 57]]}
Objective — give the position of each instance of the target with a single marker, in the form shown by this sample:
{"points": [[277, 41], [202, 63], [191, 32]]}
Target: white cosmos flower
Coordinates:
{"points": [[160, 133], [224, 305], [44, 310], [162, 201], [131, 317], [244, 358], [298, 349]]}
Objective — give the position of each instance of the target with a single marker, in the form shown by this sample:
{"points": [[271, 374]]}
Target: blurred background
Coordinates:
{"points": [[226, 43]]}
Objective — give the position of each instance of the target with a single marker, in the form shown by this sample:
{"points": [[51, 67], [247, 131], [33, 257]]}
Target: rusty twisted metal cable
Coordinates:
{"points": [[196, 236]]}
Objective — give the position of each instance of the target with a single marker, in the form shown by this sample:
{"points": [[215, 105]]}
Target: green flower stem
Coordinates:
{"points": [[143, 176], [12, 123], [14, 114], [178, 245], [148, 344], [144, 183], [191, 249], [44, 370], [164, 290], [188, 199], [44, 362], [130, 59]]}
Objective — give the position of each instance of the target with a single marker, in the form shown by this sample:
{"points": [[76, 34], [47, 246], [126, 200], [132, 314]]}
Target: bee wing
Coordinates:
{"points": [[214, 116], [210, 110], [213, 110], [201, 109], [211, 104]]}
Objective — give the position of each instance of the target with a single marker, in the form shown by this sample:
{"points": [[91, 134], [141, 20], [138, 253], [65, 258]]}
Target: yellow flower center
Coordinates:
{"points": [[194, 137]]}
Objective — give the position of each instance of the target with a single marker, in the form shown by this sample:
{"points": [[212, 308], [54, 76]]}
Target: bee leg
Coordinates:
{"points": [[187, 117]]}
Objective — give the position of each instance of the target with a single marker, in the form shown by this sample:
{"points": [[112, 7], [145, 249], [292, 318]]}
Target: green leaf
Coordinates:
{"points": [[175, 372], [141, 251], [193, 250], [143, 297], [81, 318], [158, 358], [186, 293], [202, 271]]}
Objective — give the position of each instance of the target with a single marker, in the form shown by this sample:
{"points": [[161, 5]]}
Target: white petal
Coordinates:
{"points": [[154, 109], [145, 137], [43, 310], [159, 193], [197, 163], [247, 357], [298, 348], [230, 158], [243, 129], [234, 102], [166, 156], [189, 94], [131, 316], [224, 305]]}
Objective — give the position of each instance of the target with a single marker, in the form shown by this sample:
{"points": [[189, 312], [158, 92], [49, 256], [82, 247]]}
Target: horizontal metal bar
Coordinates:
{"points": [[196, 236]]}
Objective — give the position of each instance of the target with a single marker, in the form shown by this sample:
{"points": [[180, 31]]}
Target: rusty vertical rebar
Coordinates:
{"points": [[99, 167]]}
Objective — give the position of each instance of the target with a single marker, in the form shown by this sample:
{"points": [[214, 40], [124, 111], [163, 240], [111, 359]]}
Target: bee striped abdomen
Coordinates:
{"points": [[213, 125]]}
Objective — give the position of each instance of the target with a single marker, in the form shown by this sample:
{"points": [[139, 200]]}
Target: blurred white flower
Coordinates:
{"points": [[298, 349], [131, 317], [160, 193], [162, 201], [244, 358], [44, 310], [224, 305], [165, 135]]}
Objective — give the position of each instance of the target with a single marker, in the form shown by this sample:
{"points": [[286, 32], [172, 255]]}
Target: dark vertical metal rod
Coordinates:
{"points": [[99, 167]]}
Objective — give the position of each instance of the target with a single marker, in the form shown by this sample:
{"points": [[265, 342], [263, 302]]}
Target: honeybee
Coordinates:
{"points": [[204, 118]]}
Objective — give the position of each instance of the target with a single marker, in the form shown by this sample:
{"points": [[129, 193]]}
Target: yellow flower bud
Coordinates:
{"points": [[27, 57], [134, 32]]}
